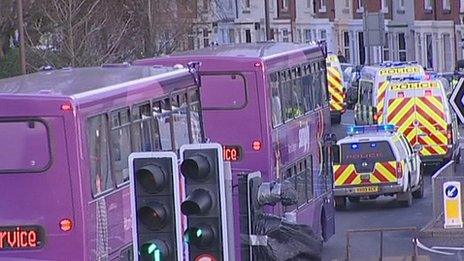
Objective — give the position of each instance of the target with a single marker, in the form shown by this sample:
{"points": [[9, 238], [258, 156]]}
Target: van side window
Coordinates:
{"points": [[365, 92], [97, 134], [120, 144]]}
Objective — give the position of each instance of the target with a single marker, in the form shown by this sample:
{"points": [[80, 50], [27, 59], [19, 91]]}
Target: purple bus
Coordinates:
{"points": [[267, 104], [65, 139]]}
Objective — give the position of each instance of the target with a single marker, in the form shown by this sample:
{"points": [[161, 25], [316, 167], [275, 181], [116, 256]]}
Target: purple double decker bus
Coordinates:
{"points": [[65, 139], [267, 104]]}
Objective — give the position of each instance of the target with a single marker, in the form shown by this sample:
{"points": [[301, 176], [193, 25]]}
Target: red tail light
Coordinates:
{"points": [[399, 170], [376, 118], [449, 134]]}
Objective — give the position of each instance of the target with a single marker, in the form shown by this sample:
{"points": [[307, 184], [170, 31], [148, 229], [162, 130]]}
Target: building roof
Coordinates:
{"points": [[250, 50], [71, 81]]}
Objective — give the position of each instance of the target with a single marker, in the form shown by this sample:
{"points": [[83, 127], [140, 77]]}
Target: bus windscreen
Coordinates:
{"points": [[25, 146]]}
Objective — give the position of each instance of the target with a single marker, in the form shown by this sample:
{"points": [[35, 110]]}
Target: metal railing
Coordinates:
{"points": [[381, 232]]}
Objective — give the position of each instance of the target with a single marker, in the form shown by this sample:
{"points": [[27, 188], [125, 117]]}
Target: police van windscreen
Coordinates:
{"points": [[357, 153]]}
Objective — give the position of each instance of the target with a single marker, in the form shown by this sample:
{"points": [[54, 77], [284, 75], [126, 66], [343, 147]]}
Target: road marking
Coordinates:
{"points": [[420, 245]]}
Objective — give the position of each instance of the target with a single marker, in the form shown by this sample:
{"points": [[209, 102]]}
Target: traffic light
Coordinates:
{"points": [[155, 201], [205, 202]]}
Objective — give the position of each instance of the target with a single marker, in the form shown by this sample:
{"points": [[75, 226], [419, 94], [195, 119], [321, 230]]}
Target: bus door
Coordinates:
{"points": [[420, 116], [37, 220]]}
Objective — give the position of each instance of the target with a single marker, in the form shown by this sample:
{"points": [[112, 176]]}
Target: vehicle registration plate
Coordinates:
{"points": [[366, 189]]}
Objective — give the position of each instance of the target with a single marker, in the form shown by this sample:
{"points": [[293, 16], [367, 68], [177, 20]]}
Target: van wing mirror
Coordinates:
{"points": [[335, 150], [418, 147]]}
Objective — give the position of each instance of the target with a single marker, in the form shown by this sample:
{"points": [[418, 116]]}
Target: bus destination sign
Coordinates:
{"points": [[232, 153], [20, 237]]}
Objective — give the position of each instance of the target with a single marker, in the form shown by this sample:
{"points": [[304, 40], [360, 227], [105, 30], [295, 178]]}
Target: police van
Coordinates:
{"points": [[375, 160], [372, 85], [337, 92], [420, 110]]}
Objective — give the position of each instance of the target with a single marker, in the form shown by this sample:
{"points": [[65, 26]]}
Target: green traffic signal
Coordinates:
{"points": [[154, 251], [200, 237]]}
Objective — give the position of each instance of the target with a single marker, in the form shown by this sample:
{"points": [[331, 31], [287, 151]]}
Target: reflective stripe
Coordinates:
{"points": [[346, 175], [381, 100], [422, 121], [335, 85]]}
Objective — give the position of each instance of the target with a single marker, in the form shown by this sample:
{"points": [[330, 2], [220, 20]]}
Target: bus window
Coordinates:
{"points": [[120, 144], [145, 132], [286, 91], [195, 121], [16, 139], [162, 114], [317, 91], [323, 74], [307, 85], [179, 116], [309, 178], [275, 100], [99, 154], [298, 104], [226, 91], [301, 183]]}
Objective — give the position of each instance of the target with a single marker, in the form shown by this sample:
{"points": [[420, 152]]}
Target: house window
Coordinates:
{"points": [[360, 6], [308, 4], [384, 6], [447, 51], [401, 5], [429, 51], [346, 45], [419, 48], [285, 35], [285, 5], [205, 5], [347, 3], [323, 35], [386, 49], [362, 51], [428, 5], [248, 36], [446, 5], [247, 4], [205, 38], [402, 47], [308, 37], [231, 36], [323, 6]]}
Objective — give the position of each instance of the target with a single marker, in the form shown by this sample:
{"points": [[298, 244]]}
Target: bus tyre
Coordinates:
{"points": [[340, 203], [419, 193], [354, 199]]}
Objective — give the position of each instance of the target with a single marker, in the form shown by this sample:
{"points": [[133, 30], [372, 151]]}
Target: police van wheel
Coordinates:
{"points": [[419, 193], [340, 203], [337, 119], [405, 198], [354, 199]]}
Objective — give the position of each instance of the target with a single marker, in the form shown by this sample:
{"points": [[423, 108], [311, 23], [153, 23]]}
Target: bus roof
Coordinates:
{"points": [[249, 50], [74, 81]]}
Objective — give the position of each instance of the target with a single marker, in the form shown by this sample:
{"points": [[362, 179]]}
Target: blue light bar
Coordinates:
{"points": [[352, 130]]}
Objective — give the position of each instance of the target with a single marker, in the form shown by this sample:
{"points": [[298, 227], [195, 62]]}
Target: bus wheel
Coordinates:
{"points": [[354, 199], [340, 203]]}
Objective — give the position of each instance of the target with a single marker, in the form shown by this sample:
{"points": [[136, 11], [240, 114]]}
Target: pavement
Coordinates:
{"points": [[383, 212]]}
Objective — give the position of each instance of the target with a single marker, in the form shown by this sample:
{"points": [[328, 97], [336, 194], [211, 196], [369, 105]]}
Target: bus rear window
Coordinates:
{"points": [[223, 92], [24, 146], [356, 153]]}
